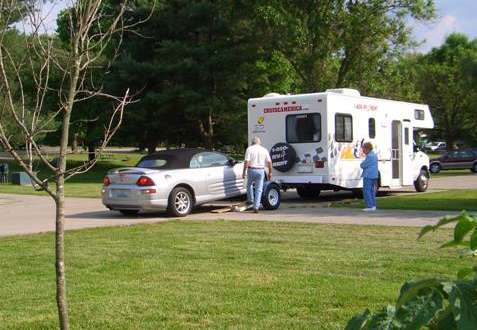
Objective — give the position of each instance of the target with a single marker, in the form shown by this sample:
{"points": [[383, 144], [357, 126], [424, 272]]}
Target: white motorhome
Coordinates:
{"points": [[315, 139]]}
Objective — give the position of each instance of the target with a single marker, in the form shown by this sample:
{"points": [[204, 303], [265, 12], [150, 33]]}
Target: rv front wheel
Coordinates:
{"points": [[422, 182], [308, 192]]}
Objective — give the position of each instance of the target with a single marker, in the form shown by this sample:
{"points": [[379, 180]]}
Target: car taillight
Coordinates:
{"points": [[145, 181], [106, 181]]}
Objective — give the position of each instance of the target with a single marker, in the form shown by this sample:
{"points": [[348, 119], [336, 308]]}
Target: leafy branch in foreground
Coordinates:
{"points": [[434, 303]]}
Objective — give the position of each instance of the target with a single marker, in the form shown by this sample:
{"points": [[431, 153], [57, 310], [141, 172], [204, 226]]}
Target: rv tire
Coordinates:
{"points": [[474, 168], [422, 182]]}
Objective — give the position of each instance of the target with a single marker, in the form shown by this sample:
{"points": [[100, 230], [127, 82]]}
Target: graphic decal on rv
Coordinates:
{"points": [[308, 162], [259, 126]]}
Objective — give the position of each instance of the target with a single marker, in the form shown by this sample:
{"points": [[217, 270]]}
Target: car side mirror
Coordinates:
{"points": [[231, 162], [416, 148]]}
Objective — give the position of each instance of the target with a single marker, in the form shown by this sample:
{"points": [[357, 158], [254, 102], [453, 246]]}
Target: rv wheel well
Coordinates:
{"points": [[425, 169]]}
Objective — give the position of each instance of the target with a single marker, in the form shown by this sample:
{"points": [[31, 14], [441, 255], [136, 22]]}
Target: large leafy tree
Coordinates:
{"points": [[340, 43], [448, 84]]}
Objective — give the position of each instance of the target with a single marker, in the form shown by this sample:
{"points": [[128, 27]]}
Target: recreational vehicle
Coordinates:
{"points": [[315, 139]]}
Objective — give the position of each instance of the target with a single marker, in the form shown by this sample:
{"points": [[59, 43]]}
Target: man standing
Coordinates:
{"points": [[256, 158]]}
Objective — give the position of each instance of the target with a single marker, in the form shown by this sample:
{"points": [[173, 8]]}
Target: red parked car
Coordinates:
{"points": [[456, 159]]}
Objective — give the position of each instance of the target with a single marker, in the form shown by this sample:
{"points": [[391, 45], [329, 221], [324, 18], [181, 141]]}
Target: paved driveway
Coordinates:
{"points": [[22, 214]]}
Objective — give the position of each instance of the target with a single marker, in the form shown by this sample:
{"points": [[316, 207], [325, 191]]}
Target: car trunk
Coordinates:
{"points": [[128, 175]]}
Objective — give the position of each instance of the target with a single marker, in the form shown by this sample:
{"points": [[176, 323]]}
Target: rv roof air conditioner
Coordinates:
{"points": [[344, 91], [271, 95]]}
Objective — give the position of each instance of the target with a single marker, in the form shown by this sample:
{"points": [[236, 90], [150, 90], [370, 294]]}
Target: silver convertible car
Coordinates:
{"points": [[177, 181]]}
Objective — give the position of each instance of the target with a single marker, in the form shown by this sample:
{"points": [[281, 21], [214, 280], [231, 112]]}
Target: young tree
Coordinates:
{"points": [[91, 31]]}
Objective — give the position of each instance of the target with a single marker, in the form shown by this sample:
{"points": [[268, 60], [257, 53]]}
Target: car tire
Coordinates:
{"points": [[435, 168], [129, 212], [422, 182], [271, 197], [308, 192], [180, 202], [474, 168]]}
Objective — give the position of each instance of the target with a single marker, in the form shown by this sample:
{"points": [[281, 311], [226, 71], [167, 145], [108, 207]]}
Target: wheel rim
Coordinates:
{"points": [[182, 202], [424, 180], [273, 197], [434, 167]]}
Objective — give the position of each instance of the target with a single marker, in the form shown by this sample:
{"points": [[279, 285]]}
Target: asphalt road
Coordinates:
{"points": [[23, 214]]}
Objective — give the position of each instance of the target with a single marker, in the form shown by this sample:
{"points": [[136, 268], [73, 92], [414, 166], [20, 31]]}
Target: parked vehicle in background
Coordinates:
{"points": [[457, 159], [436, 146], [177, 181]]}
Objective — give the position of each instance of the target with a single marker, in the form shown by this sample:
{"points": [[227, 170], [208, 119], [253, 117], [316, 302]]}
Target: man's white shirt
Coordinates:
{"points": [[257, 156]]}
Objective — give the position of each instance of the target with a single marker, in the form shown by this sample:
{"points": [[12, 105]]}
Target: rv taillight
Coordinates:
{"points": [[145, 181], [106, 181], [319, 164]]}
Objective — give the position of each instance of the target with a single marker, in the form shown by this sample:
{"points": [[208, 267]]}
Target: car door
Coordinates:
{"points": [[449, 160], [465, 159], [216, 171]]}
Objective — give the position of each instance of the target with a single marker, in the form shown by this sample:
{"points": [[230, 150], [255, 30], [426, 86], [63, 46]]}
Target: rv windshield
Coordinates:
{"points": [[304, 128]]}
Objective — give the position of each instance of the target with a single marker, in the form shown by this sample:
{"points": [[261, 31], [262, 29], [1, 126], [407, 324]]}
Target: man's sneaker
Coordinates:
{"points": [[255, 210], [369, 209]]}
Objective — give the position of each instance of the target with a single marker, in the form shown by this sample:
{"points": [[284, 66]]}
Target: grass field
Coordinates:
{"points": [[84, 185], [185, 274], [450, 200]]}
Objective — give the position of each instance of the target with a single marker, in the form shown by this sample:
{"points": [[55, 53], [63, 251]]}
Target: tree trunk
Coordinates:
{"points": [[151, 146], [60, 254], [91, 151], [74, 146]]}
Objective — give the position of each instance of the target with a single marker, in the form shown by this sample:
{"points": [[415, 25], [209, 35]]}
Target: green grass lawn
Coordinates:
{"points": [[84, 185], [185, 274], [452, 173], [451, 200]]}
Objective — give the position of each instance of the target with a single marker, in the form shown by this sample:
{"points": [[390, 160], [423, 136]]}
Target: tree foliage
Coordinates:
{"points": [[448, 83]]}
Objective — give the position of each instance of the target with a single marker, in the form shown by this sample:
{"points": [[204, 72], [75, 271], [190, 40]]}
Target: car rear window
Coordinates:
{"points": [[153, 163]]}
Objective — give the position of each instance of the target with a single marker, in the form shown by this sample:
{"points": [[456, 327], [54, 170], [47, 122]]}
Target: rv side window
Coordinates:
{"points": [[303, 128], [406, 135], [419, 114], [343, 128], [372, 128]]}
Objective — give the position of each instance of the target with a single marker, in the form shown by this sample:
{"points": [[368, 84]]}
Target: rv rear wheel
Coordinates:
{"points": [[422, 181], [308, 192]]}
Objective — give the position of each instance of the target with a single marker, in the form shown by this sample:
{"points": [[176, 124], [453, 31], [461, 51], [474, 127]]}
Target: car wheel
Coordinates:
{"points": [[308, 192], [474, 168], [422, 182], [129, 212], [435, 168], [180, 202], [271, 197]]}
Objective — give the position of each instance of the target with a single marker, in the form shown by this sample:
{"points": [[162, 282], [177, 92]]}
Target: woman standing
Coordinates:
{"points": [[370, 176]]}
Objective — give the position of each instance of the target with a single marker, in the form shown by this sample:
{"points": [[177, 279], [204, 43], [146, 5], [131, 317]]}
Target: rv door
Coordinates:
{"points": [[407, 153]]}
